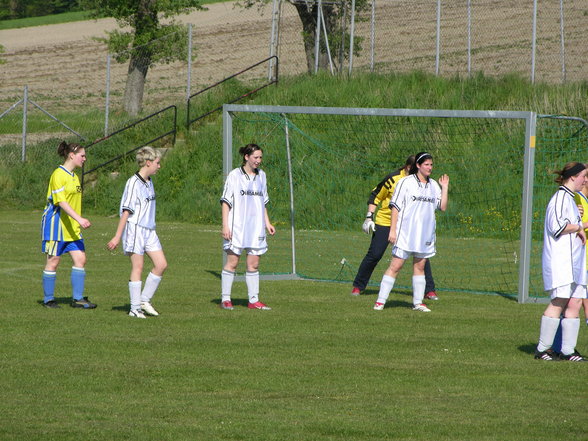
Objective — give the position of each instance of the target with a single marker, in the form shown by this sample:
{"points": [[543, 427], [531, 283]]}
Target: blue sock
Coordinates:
{"points": [[49, 285], [78, 277]]}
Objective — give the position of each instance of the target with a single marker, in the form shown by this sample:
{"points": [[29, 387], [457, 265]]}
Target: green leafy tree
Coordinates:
{"points": [[336, 15], [147, 42]]}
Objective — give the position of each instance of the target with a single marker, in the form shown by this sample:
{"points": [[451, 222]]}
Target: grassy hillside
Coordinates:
{"points": [[190, 181]]}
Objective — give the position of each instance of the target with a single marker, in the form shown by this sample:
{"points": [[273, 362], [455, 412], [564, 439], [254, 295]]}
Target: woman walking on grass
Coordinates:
{"points": [[136, 229], [62, 225]]}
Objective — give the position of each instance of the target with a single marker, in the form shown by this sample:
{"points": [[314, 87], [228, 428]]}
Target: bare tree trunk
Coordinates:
{"points": [[146, 22], [137, 74]]}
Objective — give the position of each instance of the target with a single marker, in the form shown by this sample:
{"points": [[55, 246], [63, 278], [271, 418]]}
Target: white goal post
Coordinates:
{"points": [[446, 123]]}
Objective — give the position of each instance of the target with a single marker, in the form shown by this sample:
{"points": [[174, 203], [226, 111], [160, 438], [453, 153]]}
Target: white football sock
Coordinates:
{"points": [[227, 278], [135, 293], [252, 281], [386, 286], [547, 332], [418, 289], [151, 284], [570, 327]]}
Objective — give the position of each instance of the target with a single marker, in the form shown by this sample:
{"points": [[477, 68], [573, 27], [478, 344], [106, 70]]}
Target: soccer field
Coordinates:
{"points": [[322, 365]]}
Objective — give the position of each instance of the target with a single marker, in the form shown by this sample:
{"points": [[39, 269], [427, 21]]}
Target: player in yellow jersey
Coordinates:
{"points": [[61, 227], [380, 197], [581, 198]]}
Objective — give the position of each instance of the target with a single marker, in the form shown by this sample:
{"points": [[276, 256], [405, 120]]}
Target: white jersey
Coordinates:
{"points": [[139, 200], [564, 255], [246, 197], [416, 203]]}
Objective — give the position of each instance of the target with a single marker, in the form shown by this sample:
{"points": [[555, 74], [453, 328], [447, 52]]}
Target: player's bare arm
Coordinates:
{"points": [[226, 230], [268, 225], [444, 183], [84, 223], [393, 222], [119, 230]]}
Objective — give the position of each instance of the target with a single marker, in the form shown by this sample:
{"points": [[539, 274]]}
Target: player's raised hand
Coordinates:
{"points": [[444, 180]]}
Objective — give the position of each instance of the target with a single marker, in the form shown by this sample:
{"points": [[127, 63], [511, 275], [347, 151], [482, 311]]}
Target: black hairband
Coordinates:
{"points": [[573, 171]]}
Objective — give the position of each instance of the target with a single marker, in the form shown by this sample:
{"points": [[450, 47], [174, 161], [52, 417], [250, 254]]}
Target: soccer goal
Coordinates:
{"points": [[322, 164]]}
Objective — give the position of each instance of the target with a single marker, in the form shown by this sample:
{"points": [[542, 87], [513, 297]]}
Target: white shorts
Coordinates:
{"points": [[238, 251], [571, 291], [138, 240], [402, 254]]}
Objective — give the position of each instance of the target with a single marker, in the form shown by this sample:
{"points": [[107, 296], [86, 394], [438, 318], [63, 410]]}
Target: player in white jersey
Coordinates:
{"points": [[245, 220], [412, 227], [564, 266], [136, 229]]}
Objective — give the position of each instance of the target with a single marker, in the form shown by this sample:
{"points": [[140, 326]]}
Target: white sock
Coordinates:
{"points": [[135, 293], [547, 332], [227, 278], [386, 286], [418, 289], [252, 281], [151, 284], [570, 327]]}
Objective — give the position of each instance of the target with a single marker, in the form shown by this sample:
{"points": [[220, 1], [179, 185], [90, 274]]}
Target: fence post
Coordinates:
{"points": [[107, 96], [438, 43], [274, 38], [563, 45], [534, 42], [469, 38], [373, 35], [351, 37], [189, 55], [25, 102], [317, 36]]}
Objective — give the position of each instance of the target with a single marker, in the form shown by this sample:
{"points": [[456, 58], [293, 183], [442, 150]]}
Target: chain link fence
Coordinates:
{"points": [[444, 37]]}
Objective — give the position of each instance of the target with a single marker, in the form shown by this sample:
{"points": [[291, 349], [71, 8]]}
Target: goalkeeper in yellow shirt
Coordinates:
{"points": [[380, 229]]}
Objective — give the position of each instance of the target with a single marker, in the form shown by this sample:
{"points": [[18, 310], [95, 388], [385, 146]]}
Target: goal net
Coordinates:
{"points": [[322, 164]]}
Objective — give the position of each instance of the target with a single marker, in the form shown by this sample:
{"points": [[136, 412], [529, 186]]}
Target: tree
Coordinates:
{"points": [[336, 15], [148, 42]]}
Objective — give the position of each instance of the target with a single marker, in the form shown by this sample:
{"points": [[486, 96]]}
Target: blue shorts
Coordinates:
{"points": [[57, 248]]}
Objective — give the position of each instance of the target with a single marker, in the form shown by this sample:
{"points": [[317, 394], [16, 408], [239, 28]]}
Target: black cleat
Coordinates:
{"points": [[548, 355], [573, 357], [51, 304], [83, 303]]}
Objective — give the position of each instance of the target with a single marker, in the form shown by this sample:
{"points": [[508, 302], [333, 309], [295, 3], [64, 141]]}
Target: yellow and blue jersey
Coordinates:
{"points": [[582, 199], [64, 186], [381, 194]]}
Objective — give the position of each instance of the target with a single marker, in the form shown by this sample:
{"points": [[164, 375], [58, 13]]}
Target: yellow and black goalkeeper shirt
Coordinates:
{"points": [[381, 195]]}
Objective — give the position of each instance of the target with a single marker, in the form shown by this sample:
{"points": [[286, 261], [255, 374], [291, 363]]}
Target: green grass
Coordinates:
{"points": [[65, 17], [320, 366]]}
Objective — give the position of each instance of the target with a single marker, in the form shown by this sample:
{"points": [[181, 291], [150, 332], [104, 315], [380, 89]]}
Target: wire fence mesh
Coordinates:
{"points": [[66, 67]]}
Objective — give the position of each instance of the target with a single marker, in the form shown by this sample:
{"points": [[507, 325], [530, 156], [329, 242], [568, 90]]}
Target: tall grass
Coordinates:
{"points": [[191, 179]]}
